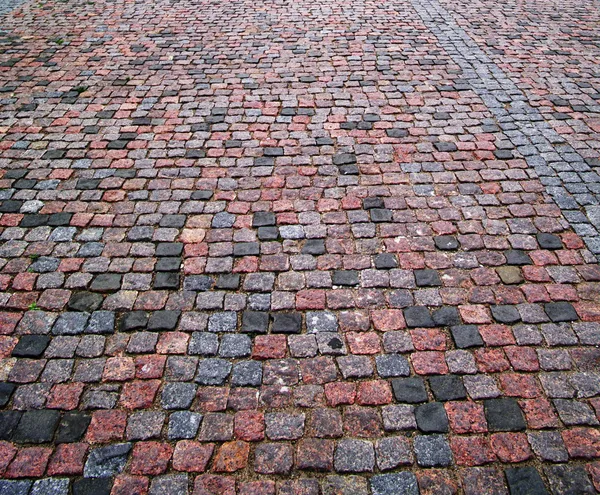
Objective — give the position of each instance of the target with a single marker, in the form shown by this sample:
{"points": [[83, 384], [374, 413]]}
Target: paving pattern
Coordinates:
{"points": [[309, 248]]}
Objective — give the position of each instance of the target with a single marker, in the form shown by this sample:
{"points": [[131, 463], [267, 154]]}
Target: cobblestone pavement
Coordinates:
{"points": [[299, 248]]}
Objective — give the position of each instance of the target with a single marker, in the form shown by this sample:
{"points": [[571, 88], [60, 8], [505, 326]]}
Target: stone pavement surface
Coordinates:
{"points": [[308, 248]]}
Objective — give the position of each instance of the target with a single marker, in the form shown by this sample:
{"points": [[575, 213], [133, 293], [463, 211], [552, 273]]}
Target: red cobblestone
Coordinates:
{"points": [[106, 426], [29, 462], [150, 458]]}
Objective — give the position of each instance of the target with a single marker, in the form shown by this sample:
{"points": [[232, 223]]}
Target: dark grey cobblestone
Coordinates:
{"points": [[107, 461]]}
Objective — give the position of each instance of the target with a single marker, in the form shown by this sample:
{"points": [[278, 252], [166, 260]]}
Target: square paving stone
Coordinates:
{"points": [[222, 322], [510, 275], [466, 336], [263, 219], [183, 425], [101, 322], [549, 241], [315, 454], [216, 427], [525, 481], [70, 324], [564, 479], [561, 311], [559, 334], [213, 371], [432, 418], [302, 346], [345, 277], [447, 387], [6, 390], [517, 257], [268, 233], [211, 300], [354, 456], [255, 322], [427, 278], [168, 264], [325, 423], [446, 316], [247, 374], [37, 426], [284, 426], [50, 486], [92, 486], [331, 343], [314, 247], [273, 458], [178, 395], [445, 147], [259, 302], [385, 261], [203, 344], [163, 320], [392, 365], [380, 215], [107, 461], [344, 159], [504, 415], [410, 390], [548, 445], [392, 452], [90, 250], [235, 346], [166, 281], [142, 342], [228, 281], [399, 417], [134, 320], [140, 233], [169, 249], [348, 170], [446, 242], [36, 322], [72, 427], [17, 487], [418, 317], [246, 249], [9, 420], [286, 323], [28, 220], [404, 483], [85, 301], [169, 484], [355, 366], [344, 485], [106, 282], [44, 264], [58, 219], [174, 221], [432, 451], [202, 194], [397, 341], [31, 346], [15, 173], [321, 321], [180, 368], [506, 314]]}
